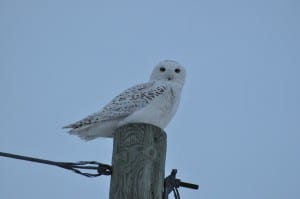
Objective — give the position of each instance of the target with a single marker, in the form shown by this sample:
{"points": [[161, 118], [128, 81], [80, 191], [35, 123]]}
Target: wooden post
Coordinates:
{"points": [[138, 162]]}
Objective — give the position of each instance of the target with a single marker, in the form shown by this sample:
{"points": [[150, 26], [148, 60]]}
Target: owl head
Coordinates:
{"points": [[169, 70]]}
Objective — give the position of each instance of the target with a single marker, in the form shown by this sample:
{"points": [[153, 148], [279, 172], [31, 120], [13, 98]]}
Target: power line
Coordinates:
{"points": [[171, 182], [101, 169]]}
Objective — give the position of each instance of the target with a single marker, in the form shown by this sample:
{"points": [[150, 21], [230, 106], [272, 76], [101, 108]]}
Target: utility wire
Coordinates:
{"points": [[101, 169], [171, 182]]}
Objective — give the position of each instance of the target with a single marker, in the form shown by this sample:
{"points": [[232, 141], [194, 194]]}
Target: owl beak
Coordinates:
{"points": [[170, 77]]}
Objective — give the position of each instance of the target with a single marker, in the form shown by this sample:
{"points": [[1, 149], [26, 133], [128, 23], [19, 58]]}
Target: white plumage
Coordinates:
{"points": [[154, 102]]}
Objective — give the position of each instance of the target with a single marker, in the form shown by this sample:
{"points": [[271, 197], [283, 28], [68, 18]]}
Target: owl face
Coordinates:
{"points": [[169, 70]]}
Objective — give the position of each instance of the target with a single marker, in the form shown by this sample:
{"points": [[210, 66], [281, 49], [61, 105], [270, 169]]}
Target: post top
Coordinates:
{"points": [[141, 127]]}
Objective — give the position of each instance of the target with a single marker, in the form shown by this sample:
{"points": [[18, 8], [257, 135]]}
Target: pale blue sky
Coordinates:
{"points": [[237, 130]]}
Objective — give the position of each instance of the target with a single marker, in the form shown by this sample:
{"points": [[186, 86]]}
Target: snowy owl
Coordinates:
{"points": [[154, 102]]}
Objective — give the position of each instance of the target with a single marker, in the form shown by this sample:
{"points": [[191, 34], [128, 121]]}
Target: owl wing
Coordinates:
{"points": [[124, 104]]}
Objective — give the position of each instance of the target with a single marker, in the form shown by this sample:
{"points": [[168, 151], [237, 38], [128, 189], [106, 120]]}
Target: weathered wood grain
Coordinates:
{"points": [[138, 161]]}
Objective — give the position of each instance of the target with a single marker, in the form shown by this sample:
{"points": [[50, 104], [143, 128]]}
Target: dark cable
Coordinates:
{"points": [[102, 169], [172, 184]]}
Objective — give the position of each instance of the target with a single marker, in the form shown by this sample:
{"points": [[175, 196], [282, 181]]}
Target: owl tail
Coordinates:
{"points": [[92, 131]]}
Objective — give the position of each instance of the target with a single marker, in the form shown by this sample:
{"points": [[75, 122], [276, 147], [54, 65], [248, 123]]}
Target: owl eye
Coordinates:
{"points": [[177, 70], [162, 69]]}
